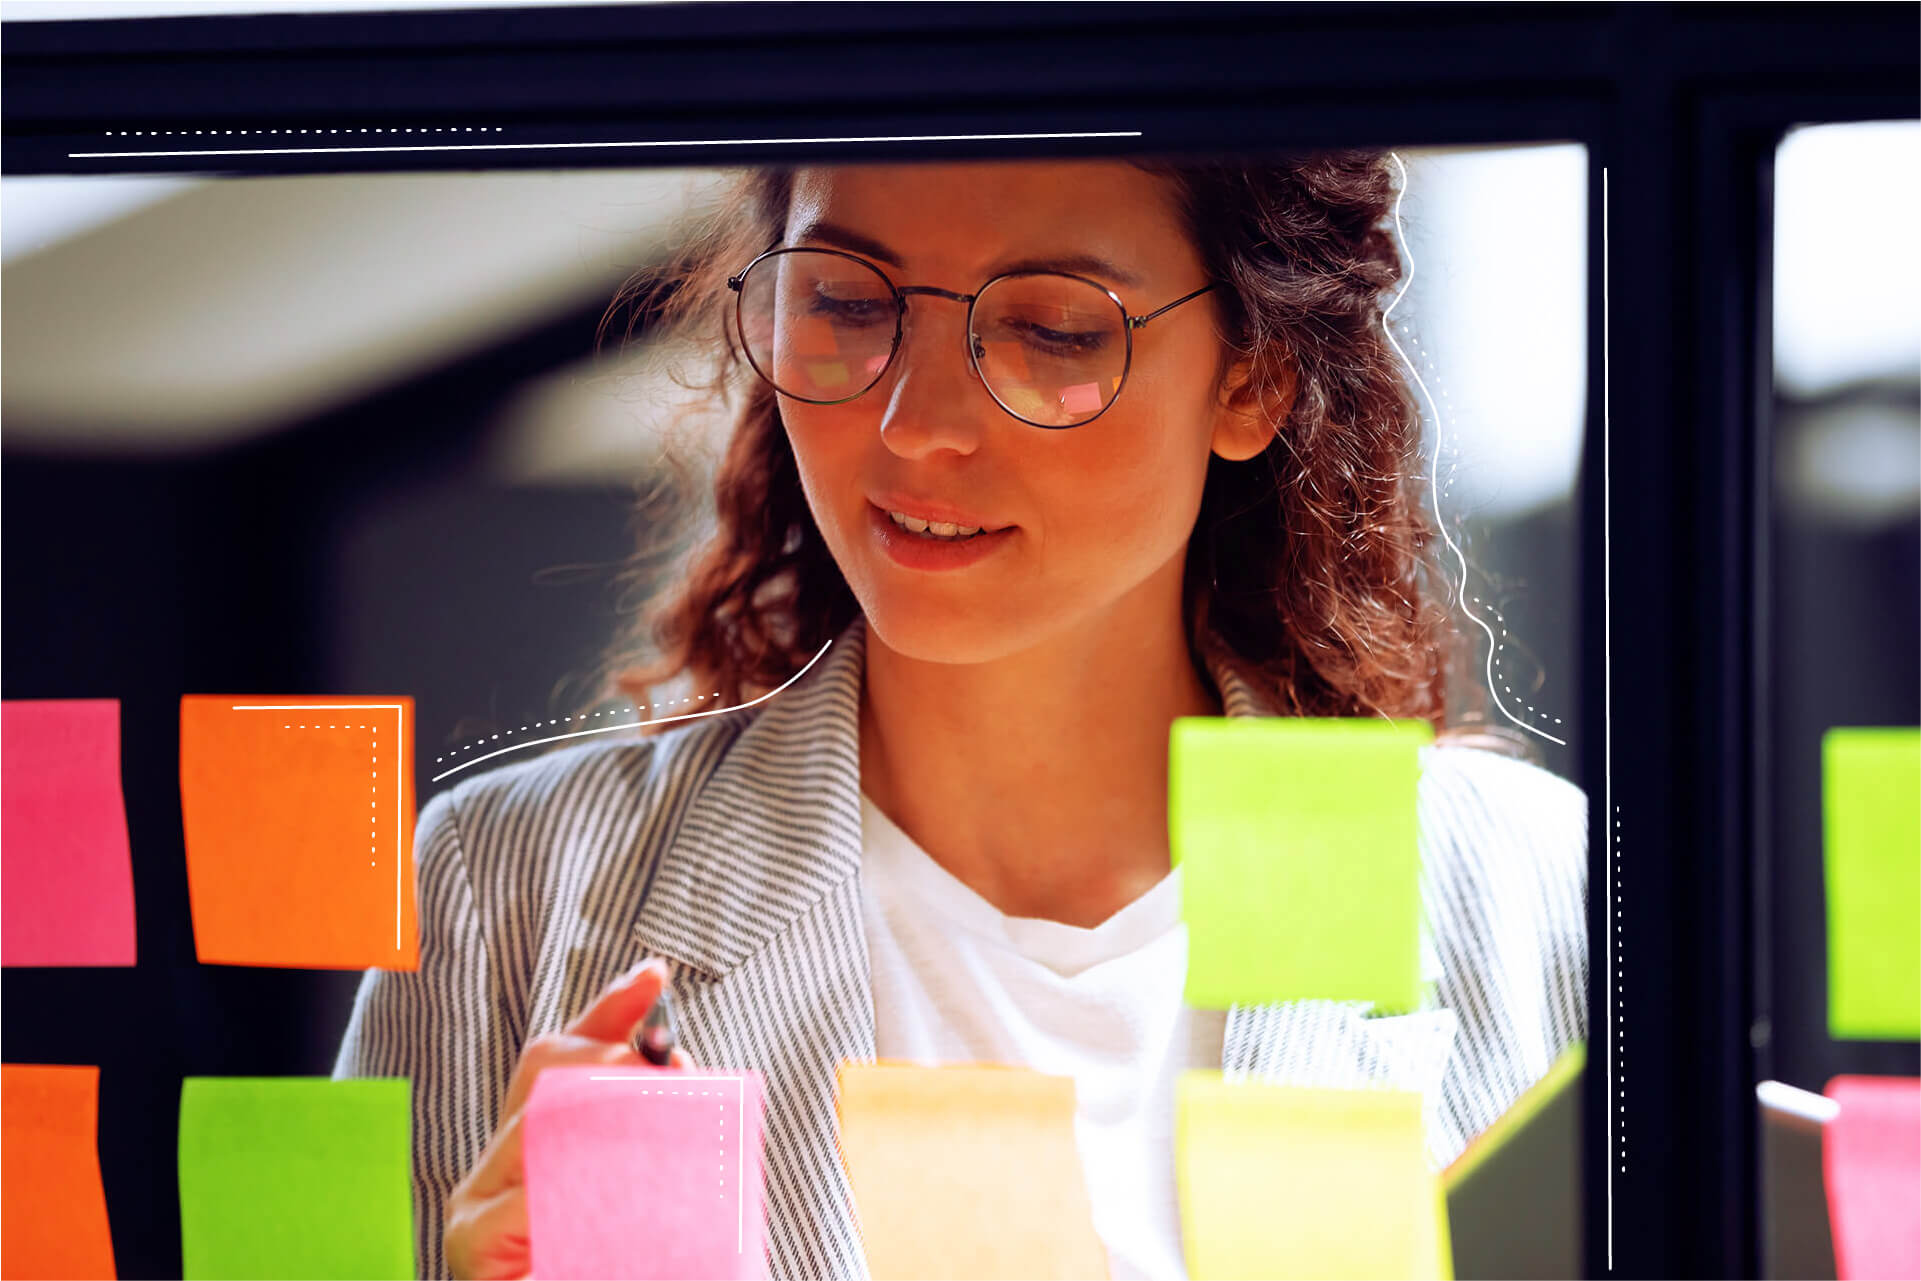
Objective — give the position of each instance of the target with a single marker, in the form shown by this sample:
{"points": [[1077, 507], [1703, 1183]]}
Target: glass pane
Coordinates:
{"points": [[349, 434], [1844, 635]]}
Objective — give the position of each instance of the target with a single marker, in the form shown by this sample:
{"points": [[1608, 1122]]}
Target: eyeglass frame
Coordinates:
{"points": [[902, 293]]}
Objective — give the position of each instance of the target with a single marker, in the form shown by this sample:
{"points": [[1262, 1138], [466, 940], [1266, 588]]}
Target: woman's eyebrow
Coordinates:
{"points": [[1074, 264]]}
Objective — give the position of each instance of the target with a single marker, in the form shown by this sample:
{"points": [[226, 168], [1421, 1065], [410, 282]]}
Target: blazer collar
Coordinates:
{"points": [[777, 826]]}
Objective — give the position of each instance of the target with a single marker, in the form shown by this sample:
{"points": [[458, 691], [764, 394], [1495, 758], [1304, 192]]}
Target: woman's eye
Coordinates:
{"points": [[1058, 340], [856, 311]]}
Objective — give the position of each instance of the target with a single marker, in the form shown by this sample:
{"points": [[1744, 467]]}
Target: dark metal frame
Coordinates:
{"points": [[901, 293], [1681, 105]]}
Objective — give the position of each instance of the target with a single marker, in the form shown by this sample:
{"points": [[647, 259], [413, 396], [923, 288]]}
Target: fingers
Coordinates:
{"points": [[486, 1224], [554, 1050], [498, 1167], [622, 1003], [487, 1238]]}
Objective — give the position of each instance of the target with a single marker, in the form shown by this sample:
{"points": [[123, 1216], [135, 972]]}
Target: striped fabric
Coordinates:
{"points": [[731, 846]]}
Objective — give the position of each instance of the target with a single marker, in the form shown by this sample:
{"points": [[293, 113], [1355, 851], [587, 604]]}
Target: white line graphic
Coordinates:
{"points": [[740, 1139], [1434, 484], [607, 729], [400, 763], [1607, 669]]}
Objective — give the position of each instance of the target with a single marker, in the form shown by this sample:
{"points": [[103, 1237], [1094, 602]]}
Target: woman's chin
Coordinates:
{"points": [[933, 635]]}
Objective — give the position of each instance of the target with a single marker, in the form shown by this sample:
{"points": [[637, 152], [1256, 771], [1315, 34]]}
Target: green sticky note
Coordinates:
{"points": [[1871, 849], [1298, 844], [295, 1177]]}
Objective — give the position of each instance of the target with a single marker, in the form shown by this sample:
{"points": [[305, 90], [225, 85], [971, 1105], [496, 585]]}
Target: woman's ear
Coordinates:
{"points": [[1245, 421]]}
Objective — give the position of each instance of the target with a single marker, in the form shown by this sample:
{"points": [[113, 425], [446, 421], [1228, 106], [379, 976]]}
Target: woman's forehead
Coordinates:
{"points": [[947, 210]]}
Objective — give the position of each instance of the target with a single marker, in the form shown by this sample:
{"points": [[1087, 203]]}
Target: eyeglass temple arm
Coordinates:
{"points": [[1135, 322]]}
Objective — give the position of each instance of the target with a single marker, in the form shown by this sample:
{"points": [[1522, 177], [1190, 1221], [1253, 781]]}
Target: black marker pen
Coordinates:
{"points": [[654, 1038]]}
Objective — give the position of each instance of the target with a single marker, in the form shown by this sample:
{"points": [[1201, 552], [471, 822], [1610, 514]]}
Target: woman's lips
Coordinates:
{"points": [[917, 551]]}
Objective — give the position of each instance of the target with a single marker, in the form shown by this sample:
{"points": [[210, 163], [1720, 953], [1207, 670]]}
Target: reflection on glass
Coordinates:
{"points": [[1330, 476]]}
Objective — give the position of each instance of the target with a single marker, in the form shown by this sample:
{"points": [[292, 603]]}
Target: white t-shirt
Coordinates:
{"points": [[958, 981]]}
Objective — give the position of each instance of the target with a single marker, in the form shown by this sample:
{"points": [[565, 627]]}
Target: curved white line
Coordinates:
{"points": [[1434, 479], [606, 729]]}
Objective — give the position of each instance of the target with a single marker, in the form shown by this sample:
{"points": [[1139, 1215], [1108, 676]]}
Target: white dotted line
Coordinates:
{"points": [[634, 715], [215, 133], [1441, 417], [1500, 645], [373, 787], [722, 1133], [1620, 1034]]}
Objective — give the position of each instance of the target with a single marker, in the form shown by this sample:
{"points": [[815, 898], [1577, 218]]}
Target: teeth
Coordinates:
{"points": [[935, 528]]}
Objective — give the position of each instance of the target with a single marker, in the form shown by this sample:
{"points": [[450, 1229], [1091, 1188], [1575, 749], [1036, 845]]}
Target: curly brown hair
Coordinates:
{"points": [[1313, 562]]}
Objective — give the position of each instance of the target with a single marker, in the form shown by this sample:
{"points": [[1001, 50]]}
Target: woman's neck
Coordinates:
{"points": [[1039, 779]]}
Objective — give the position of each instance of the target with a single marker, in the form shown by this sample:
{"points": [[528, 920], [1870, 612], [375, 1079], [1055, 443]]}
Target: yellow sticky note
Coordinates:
{"points": [[1871, 853], [1282, 1181], [966, 1171], [1298, 841]]}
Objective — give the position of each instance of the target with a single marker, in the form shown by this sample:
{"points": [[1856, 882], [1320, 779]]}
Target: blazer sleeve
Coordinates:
{"points": [[438, 1027], [1509, 911]]}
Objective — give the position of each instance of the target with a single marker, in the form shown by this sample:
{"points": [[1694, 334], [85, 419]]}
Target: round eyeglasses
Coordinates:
{"points": [[823, 326]]}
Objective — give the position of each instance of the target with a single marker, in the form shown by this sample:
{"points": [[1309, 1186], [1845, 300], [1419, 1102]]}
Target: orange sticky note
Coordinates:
{"points": [[55, 1219], [967, 1171], [299, 824]]}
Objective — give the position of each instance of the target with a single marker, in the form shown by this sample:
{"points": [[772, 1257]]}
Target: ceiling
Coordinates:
{"points": [[184, 317]]}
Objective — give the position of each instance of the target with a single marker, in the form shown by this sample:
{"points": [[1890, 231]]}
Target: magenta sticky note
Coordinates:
{"points": [[1871, 1159], [644, 1173], [66, 881]]}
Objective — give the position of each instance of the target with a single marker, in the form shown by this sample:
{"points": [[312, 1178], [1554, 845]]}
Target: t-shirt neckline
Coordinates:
{"points": [[1067, 949]]}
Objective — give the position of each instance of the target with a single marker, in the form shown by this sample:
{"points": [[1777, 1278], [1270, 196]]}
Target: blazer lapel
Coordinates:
{"points": [[757, 905]]}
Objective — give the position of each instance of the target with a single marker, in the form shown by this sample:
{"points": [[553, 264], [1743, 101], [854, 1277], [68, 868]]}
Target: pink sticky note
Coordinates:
{"points": [[644, 1173], [1871, 1157], [1082, 398], [66, 880]]}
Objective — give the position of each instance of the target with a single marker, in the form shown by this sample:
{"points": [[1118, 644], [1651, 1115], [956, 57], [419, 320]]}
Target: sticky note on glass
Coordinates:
{"points": [[1298, 844], [966, 1171], [1281, 1181], [299, 823], [291, 1177], [644, 1172], [55, 1218], [1871, 1162], [67, 896], [1871, 850]]}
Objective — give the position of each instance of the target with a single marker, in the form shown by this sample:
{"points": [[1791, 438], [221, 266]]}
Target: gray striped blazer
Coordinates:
{"points": [[732, 846]]}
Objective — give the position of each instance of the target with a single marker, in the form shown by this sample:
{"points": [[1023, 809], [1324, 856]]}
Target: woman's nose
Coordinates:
{"points": [[935, 399]]}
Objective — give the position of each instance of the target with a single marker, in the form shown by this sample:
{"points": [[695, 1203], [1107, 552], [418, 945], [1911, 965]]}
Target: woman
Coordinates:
{"points": [[1169, 471]]}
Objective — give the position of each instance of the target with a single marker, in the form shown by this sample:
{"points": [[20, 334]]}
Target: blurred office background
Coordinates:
{"points": [[1844, 628], [370, 411], [349, 434]]}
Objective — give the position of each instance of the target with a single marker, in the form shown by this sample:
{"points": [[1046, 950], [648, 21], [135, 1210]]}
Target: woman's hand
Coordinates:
{"points": [[486, 1221]]}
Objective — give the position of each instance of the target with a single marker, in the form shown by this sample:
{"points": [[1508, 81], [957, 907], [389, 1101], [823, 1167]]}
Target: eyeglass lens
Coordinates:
{"points": [[820, 327]]}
